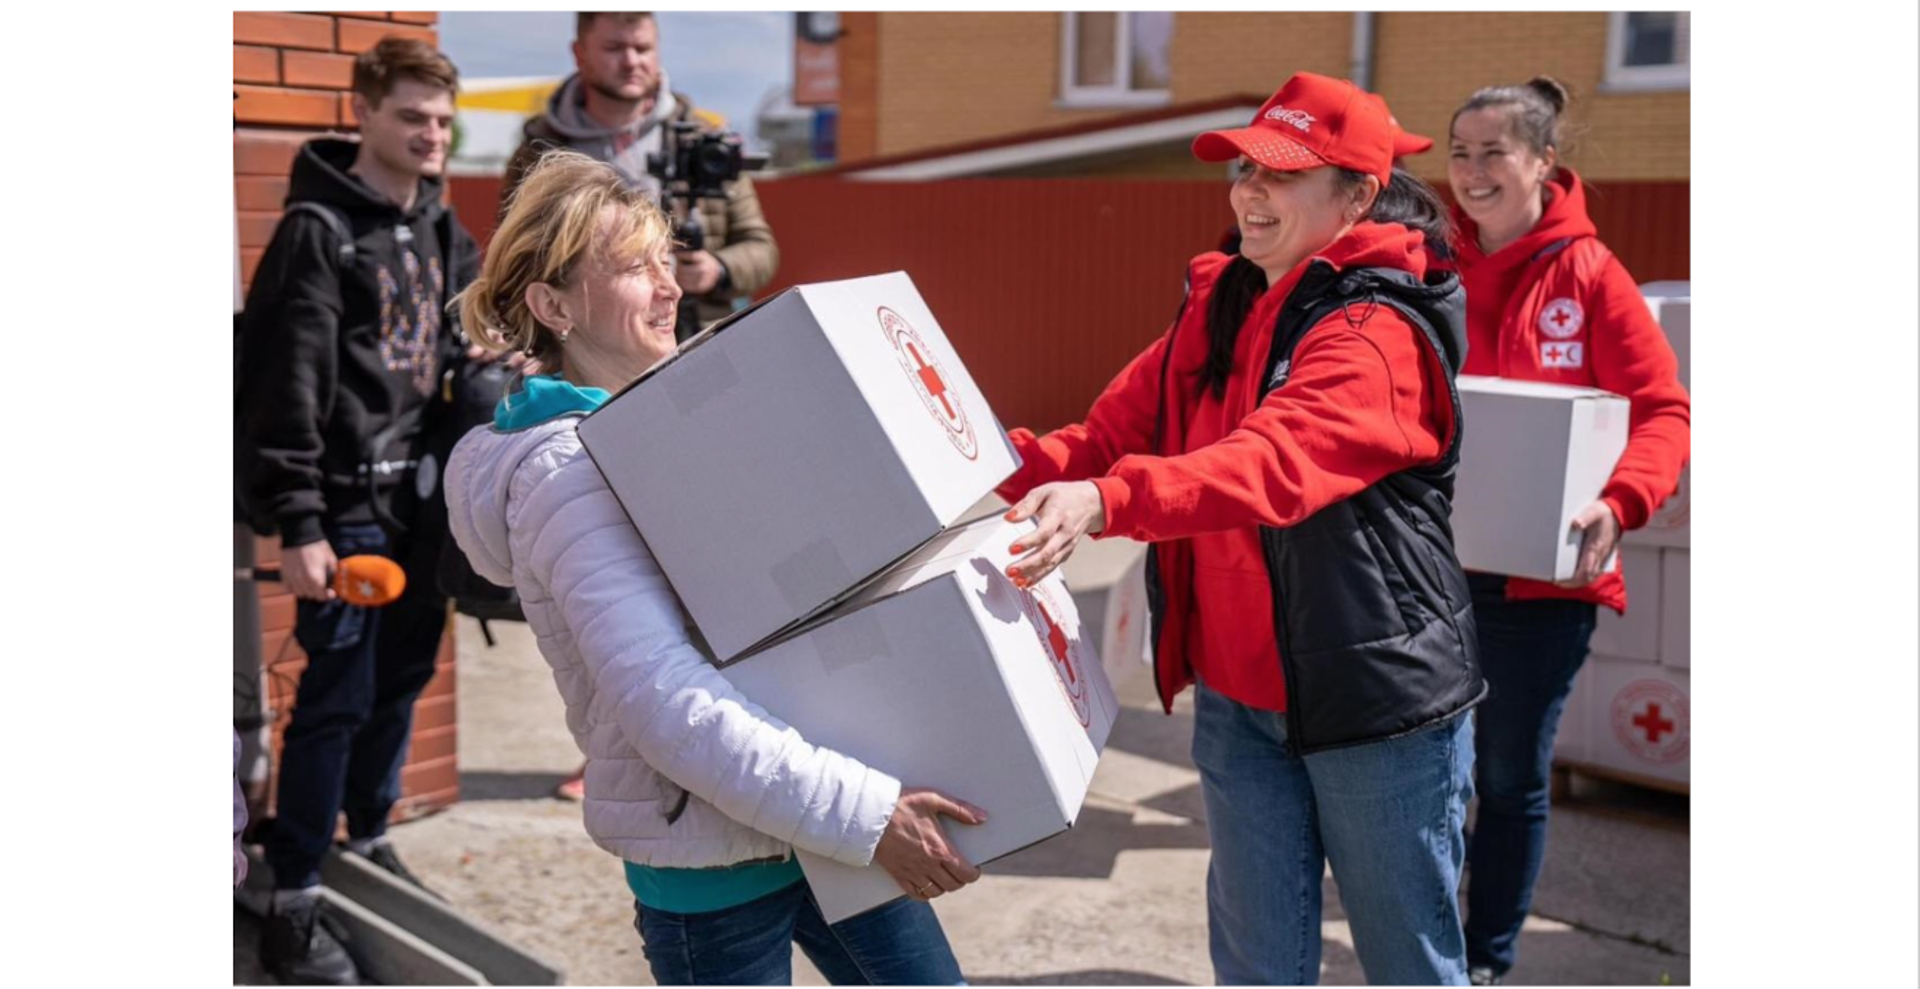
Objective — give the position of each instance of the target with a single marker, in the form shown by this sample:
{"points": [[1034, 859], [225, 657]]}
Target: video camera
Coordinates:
{"points": [[698, 164]]}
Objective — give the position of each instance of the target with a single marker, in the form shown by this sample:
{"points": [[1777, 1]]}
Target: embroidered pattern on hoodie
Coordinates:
{"points": [[410, 327]]}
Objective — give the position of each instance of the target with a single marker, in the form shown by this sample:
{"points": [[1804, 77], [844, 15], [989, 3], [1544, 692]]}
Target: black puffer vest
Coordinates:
{"points": [[1370, 606]]}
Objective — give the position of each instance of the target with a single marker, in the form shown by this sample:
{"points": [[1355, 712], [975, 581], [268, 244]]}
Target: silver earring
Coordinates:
{"points": [[563, 334]]}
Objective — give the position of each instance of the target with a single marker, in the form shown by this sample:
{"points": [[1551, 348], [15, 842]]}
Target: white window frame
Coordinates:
{"points": [[1621, 77], [1118, 95]]}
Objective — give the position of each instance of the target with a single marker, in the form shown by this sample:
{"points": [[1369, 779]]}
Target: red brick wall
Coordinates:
{"points": [[290, 75]]}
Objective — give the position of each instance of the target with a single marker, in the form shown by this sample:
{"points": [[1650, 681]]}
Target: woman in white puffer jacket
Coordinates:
{"points": [[697, 789]]}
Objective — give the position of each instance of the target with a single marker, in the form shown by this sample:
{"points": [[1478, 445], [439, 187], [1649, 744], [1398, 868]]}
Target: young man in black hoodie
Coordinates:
{"points": [[344, 343]]}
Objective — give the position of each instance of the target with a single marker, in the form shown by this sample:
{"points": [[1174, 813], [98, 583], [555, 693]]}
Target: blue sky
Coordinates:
{"points": [[726, 61]]}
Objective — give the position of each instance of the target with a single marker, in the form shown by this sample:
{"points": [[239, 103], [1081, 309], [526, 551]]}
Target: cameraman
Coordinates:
{"points": [[617, 107]]}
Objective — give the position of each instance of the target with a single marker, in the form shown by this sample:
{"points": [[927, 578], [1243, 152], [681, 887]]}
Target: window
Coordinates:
{"points": [[1116, 59], [1647, 50]]}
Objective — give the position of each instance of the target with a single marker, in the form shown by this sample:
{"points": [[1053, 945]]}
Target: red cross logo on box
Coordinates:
{"points": [[1650, 719], [1561, 319], [1040, 607], [930, 381]]}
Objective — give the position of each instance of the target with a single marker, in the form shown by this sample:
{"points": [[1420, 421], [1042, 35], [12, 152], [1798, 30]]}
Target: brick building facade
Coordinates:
{"points": [[913, 82]]}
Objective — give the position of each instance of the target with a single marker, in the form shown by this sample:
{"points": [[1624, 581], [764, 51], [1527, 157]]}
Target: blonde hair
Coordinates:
{"points": [[570, 209]]}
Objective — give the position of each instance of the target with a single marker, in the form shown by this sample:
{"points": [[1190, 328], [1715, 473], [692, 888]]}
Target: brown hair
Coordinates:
{"points": [[568, 210], [583, 22], [1532, 110], [395, 58]]}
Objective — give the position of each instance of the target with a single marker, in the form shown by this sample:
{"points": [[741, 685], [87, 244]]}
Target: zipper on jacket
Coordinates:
{"points": [[1288, 679], [679, 807], [1322, 274]]}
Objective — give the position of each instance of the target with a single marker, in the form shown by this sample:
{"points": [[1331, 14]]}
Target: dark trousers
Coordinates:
{"points": [[353, 712], [1529, 652]]}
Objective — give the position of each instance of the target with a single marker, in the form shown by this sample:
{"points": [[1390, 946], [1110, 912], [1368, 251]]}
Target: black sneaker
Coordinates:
{"points": [[301, 947], [383, 855], [1482, 975]]}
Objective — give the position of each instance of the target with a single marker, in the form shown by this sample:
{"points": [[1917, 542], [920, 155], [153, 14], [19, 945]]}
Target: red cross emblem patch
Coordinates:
{"points": [[1563, 355], [1562, 318], [1650, 719], [930, 380]]}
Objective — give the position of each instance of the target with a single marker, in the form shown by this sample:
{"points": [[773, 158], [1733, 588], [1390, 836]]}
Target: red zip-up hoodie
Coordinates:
{"points": [[1557, 306], [1366, 397]]}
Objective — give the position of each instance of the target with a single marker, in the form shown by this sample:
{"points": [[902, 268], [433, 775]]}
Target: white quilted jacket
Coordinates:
{"points": [[653, 717]]}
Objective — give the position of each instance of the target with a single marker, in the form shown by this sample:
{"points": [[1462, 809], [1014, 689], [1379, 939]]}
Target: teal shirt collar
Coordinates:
{"points": [[540, 399]]}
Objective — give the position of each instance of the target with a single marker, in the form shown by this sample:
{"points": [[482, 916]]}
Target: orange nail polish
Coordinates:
{"points": [[1019, 549]]}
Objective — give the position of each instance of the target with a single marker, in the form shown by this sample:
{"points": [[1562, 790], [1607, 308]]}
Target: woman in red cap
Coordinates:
{"points": [[1288, 447], [1546, 301]]}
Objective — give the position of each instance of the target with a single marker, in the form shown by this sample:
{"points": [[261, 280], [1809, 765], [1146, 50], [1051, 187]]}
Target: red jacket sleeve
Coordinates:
{"points": [[1631, 357], [1120, 422], [1360, 404]]}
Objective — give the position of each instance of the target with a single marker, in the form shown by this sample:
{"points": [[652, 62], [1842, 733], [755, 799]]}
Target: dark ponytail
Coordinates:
{"points": [[1233, 296]]}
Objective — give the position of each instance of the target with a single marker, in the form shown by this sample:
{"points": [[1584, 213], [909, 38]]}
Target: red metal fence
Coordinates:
{"points": [[1048, 286]]}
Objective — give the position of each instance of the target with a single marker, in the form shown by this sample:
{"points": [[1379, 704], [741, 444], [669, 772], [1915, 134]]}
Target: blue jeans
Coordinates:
{"points": [[1529, 653], [752, 944], [352, 713], [1387, 815]]}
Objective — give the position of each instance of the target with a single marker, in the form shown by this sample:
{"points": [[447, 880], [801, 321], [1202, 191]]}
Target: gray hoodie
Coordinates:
{"points": [[625, 148]]}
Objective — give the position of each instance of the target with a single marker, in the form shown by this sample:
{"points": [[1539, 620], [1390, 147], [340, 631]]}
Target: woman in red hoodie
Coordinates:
{"points": [[1288, 447], [1546, 301]]}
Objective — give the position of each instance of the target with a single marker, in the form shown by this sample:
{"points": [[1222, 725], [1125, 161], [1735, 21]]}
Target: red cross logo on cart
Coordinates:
{"points": [[1561, 319], [1652, 723], [1650, 720], [930, 382]]}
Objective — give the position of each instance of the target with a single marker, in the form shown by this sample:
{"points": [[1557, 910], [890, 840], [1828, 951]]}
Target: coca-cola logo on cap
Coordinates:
{"points": [[930, 380], [1295, 118]]}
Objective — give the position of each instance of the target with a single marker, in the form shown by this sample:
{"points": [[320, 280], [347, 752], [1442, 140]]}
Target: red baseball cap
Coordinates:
{"points": [[1406, 142], [1312, 121]]}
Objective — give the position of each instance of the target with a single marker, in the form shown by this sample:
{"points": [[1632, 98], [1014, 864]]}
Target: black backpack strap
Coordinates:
{"points": [[335, 221]]}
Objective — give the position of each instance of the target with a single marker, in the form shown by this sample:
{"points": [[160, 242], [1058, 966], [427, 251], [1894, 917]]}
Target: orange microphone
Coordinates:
{"points": [[366, 580]]}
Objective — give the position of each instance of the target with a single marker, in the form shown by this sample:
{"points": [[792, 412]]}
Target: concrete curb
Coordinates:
{"points": [[392, 956], [401, 936], [435, 923]]}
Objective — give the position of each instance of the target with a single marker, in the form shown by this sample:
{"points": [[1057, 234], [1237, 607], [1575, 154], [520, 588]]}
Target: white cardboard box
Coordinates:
{"points": [[945, 675], [1532, 456], [1637, 634], [1125, 648], [1672, 305], [1676, 608], [1636, 719], [796, 449]]}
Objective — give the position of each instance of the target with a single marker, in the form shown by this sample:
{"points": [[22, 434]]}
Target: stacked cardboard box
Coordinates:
{"points": [[798, 472], [1628, 714]]}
